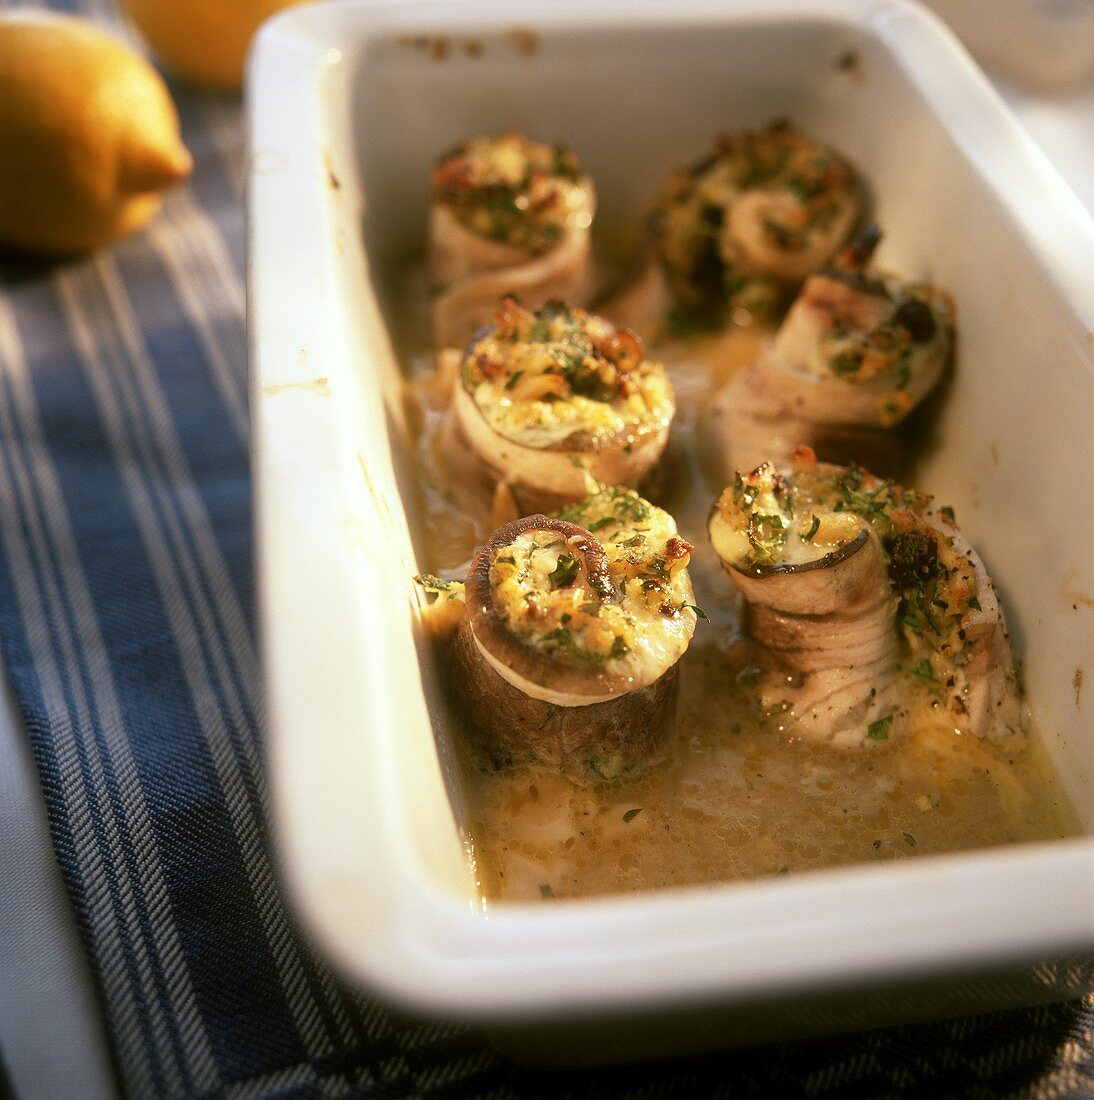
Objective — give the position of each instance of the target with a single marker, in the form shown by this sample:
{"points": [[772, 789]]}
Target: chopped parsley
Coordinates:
{"points": [[631, 506], [565, 571], [561, 635], [924, 669], [431, 583], [437, 588], [766, 533], [563, 644], [868, 503], [879, 730]]}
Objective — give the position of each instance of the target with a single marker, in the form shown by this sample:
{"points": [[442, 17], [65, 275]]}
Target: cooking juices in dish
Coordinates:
{"points": [[852, 696], [508, 216], [543, 399]]}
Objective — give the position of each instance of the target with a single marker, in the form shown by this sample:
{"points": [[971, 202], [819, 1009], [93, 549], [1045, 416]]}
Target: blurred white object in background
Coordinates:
{"points": [[1063, 126], [1047, 44]]}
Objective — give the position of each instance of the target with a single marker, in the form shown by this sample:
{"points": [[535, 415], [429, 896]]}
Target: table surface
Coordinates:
{"points": [[51, 1035]]}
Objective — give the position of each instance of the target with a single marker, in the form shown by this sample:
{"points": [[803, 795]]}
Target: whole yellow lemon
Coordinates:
{"points": [[89, 137], [203, 40]]}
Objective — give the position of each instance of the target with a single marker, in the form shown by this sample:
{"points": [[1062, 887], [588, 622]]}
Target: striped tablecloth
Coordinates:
{"points": [[126, 620]]}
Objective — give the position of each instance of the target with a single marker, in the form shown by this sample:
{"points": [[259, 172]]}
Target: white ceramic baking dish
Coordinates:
{"points": [[349, 104]]}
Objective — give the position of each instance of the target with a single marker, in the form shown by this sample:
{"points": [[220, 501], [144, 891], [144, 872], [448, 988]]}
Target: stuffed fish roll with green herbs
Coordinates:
{"points": [[868, 605], [857, 352], [545, 399], [508, 216], [750, 221], [567, 657]]}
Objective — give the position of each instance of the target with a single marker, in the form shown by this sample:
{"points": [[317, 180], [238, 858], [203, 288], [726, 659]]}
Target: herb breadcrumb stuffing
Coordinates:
{"points": [[511, 189], [637, 620], [539, 376]]}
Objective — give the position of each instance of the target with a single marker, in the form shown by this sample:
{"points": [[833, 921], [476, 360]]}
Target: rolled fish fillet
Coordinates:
{"points": [[750, 221], [856, 353], [868, 603], [567, 658], [508, 216], [546, 399]]}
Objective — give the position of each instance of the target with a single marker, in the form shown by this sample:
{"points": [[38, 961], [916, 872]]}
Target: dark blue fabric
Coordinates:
{"points": [[126, 623]]}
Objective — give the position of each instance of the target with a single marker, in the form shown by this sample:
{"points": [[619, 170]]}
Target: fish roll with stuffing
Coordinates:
{"points": [[545, 399], [857, 352], [867, 602], [742, 228], [567, 657], [508, 216]]}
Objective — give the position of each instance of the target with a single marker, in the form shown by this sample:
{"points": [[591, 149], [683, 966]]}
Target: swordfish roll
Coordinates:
{"points": [[548, 398], [856, 353], [567, 659], [508, 216], [744, 226], [868, 601], [815, 580]]}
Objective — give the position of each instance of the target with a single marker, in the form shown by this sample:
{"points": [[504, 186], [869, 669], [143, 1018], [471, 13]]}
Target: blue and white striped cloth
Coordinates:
{"points": [[126, 620]]}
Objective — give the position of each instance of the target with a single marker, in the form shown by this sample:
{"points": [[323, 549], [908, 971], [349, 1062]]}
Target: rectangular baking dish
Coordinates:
{"points": [[349, 105]]}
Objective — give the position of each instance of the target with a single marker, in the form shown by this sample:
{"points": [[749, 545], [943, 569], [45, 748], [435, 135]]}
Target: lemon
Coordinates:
{"points": [[88, 133], [203, 40]]}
